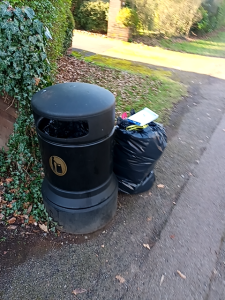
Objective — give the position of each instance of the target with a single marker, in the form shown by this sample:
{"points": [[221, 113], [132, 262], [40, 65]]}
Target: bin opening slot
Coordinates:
{"points": [[64, 129]]}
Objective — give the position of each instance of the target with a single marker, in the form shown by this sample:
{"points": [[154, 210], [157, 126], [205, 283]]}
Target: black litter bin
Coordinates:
{"points": [[75, 126]]}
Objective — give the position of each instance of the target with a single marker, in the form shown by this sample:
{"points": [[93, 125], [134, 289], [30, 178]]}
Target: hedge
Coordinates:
{"points": [[25, 52], [92, 16]]}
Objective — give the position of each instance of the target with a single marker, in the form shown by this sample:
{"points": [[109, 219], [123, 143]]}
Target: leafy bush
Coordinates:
{"points": [[202, 25], [205, 21], [221, 15], [75, 6], [178, 17], [92, 16], [168, 17], [24, 69], [128, 17]]}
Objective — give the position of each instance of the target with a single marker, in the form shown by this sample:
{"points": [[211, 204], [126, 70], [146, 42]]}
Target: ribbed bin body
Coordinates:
{"points": [[75, 126]]}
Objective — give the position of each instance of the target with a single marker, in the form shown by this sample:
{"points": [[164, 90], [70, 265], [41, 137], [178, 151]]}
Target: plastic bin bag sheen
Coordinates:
{"points": [[135, 155]]}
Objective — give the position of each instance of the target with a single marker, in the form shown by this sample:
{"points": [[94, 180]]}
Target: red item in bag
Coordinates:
{"points": [[124, 116]]}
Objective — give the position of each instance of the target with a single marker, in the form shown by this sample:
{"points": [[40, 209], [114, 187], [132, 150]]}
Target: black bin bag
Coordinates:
{"points": [[135, 155]]}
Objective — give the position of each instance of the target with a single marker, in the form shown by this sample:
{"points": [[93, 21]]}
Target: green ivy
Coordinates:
{"points": [[24, 69], [56, 15]]}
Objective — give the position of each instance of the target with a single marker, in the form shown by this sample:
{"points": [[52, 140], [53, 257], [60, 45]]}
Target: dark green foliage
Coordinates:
{"points": [[75, 6], [56, 15], [92, 16], [69, 31], [24, 69], [203, 25], [129, 4], [23, 59], [221, 15], [60, 28], [208, 21]]}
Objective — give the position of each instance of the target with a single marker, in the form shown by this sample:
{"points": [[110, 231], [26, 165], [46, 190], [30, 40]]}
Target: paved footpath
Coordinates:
{"points": [[184, 223], [193, 235], [150, 55]]}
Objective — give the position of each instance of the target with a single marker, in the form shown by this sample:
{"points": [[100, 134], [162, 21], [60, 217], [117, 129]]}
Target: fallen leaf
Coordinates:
{"points": [[20, 219], [37, 80], [31, 220], [162, 279], [1, 216], [172, 236], [161, 186], [147, 246], [78, 291], [12, 227], [181, 275], [26, 205], [29, 209], [43, 227], [120, 278], [9, 180], [12, 220]]}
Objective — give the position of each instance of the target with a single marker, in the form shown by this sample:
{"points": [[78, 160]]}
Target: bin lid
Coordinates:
{"points": [[72, 100]]}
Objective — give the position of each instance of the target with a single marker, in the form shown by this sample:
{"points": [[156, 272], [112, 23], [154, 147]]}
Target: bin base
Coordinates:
{"points": [[82, 220]]}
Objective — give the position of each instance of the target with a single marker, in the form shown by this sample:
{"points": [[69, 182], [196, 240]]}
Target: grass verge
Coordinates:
{"points": [[212, 46], [134, 85]]}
